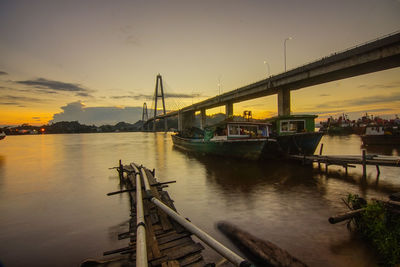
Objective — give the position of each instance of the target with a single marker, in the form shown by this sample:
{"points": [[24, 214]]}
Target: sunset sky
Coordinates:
{"points": [[96, 61]]}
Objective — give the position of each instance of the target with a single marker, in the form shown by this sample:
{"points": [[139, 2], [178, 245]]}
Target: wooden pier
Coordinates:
{"points": [[156, 236], [349, 161]]}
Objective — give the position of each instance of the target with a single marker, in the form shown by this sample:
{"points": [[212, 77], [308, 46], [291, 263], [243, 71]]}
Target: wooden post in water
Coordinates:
{"points": [[121, 170], [364, 164], [320, 153]]}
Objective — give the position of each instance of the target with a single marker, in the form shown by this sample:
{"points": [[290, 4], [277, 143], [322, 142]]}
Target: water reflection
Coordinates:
{"points": [[280, 202], [246, 177], [161, 148], [388, 150], [371, 182], [116, 229], [2, 166], [231, 174]]}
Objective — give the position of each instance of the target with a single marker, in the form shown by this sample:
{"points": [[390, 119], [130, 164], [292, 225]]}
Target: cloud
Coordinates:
{"points": [[36, 118], [150, 97], [55, 85], [128, 36], [395, 84], [13, 89], [182, 95], [3, 73], [17, 100], [376, 99], [321, 112], [8, 103], [136, 97], [77, 111], [132, 40], [51, 87], [84, 94]]}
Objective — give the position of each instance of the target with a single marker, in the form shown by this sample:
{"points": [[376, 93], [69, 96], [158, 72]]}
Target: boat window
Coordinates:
{"points": [[263, 131], [248, 130], [234, 130], [284, 126], [293, 126], [243, 130]]}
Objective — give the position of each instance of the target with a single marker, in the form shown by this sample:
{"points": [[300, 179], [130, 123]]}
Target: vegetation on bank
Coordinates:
{"points": [[76, 127], [379, 224]]}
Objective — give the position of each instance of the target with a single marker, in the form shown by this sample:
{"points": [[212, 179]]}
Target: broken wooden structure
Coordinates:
{"points": [[393, 204], [158, 235]]}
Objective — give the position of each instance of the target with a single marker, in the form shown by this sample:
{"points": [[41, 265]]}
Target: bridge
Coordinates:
{"points": [[374, 56]]}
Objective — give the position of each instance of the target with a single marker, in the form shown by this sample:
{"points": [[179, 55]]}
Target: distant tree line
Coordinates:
{"points": [[76, 127]]}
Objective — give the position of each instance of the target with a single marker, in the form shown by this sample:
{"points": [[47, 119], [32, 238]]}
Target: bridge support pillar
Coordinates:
{"points": [[283, 102], [186, 120], [229, 109], [202, 118]]}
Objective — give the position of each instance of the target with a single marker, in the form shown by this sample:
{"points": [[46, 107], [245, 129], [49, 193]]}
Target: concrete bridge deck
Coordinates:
{"points": [[378, 55]]}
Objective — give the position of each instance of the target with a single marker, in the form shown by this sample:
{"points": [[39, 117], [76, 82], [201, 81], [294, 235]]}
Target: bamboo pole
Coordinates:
{"points": [[121, 191], [218, 247], [141, 250]]}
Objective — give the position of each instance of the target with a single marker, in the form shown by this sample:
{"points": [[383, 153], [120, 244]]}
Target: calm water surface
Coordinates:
{"points": [[54, 210]]}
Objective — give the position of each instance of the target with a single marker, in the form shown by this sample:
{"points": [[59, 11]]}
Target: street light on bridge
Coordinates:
{"points": [[269, 70], [284, 49]]}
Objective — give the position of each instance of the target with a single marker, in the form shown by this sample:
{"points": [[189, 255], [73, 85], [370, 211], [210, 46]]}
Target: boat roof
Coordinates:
{"points": [[249, 123]]}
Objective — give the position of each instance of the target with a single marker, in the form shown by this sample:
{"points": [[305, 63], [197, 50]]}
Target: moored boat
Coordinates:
{"points": [[296, 134], [377, 135], [233, 139], [2, 135]]}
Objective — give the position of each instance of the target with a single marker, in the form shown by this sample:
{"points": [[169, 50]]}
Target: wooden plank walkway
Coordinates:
{"points": [[168, 243], [352, 159], [347, 161]]}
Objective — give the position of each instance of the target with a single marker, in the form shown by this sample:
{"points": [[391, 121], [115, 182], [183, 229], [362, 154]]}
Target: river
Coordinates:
{"points": [[54, 210]]}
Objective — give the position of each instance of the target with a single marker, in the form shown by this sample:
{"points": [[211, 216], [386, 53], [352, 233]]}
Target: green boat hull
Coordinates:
{"points": [[246, 149], [299, 143]]}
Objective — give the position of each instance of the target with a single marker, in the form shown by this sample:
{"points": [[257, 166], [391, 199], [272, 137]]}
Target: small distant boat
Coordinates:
{"points": [[2, 135], [377, 135], [233, 139]]}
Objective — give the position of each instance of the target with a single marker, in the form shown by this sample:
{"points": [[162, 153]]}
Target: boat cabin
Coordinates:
{"points": [[285, 125], [237, 130], [374, 130]]}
